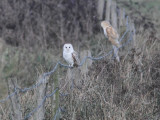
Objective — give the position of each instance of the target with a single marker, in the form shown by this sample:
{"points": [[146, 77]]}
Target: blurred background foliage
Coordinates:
{"points": [[46, 24]]}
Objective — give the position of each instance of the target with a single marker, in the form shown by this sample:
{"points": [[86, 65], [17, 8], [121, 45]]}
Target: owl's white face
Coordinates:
{"points": [[68, 48]]}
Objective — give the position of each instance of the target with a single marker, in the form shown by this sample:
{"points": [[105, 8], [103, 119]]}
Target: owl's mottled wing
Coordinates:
{"points": [[112, 33], [75, 59], [113, 36]]}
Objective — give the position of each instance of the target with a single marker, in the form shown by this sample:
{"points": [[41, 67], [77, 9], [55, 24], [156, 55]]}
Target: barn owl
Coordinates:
{"points": [[111, 33], [70, 55], [112, 36]]}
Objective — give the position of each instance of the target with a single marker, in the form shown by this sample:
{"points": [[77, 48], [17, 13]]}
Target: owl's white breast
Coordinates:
{"points": [[105, 33], [68, 57]]}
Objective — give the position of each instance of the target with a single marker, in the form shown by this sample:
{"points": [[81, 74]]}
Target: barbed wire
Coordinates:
{"points": [[39, 106], [32, 87], [57, 112], [42, 79]]}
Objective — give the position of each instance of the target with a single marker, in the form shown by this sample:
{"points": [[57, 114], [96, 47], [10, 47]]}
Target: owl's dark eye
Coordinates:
{"points": [[69, 47], [66, 47]]}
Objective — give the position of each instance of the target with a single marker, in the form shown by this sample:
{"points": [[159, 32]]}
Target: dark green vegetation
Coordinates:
{"points": [[34, 33]]}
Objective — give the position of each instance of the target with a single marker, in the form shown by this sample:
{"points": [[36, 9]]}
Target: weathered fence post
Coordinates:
{"points": [[108, 10], [41, 92], [73, 78], [100, 8], [114, 15], [16, 111], [69, 77], [87, 64], [76, 80]]}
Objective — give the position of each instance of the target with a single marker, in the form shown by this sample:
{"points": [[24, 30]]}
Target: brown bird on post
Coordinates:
{"points": [[112, 36]]}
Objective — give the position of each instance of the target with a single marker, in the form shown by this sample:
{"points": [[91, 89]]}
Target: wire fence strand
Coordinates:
{"points": [[39, 106]]}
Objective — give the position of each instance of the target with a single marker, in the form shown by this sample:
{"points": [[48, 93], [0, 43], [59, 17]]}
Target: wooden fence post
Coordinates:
{"points": [[87, 64], [69, 78], [114, 15], [73, 78], [16, 111], [120, 21], [108, 10], [100, 8], [41, 92]]}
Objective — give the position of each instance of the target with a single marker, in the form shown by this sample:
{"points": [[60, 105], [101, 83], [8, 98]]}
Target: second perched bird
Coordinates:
{"points": [[111, 33], [112, 36], [70, 55]]}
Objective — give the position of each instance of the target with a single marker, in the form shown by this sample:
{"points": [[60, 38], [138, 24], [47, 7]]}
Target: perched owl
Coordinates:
{"points": [[70, 55], [112, 36], [110, 33]]}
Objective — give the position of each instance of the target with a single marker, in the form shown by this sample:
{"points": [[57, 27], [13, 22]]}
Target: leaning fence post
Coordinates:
{"points": [[100, 8], [108, 10], [16, 111], [41, 92]]}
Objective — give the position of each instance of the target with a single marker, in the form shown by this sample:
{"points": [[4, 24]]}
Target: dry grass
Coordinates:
{"points": [[126, 90]]}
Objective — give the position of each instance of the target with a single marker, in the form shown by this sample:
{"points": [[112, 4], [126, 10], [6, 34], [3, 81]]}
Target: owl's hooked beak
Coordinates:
{"points": [[68, 49]]}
